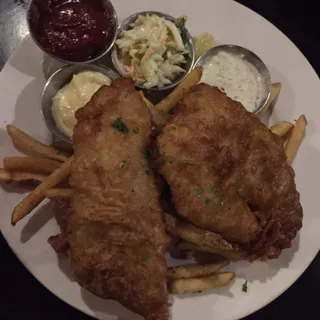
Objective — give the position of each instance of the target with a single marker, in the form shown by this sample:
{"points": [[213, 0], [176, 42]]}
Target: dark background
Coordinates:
{"points": [[23, 297]]}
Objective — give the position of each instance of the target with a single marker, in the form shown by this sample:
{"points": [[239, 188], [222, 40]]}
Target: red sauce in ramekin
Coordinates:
{"points": [[73, 30]]}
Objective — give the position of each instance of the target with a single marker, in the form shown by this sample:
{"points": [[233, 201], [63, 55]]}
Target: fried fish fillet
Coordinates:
{"points": [[228, 173], [116, 231]]}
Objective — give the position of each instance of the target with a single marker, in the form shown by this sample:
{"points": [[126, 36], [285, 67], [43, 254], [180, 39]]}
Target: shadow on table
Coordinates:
{"points": [[38, 220], [107, 309], [28, 107], [272, 112], [65, 266], [265, 271], [26, 58]]}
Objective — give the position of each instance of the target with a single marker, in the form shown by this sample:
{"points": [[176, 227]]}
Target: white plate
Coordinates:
{"points": [[21, 82]]}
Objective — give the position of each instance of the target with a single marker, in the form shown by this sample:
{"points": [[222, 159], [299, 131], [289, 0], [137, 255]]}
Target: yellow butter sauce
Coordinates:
{"points": [[74, 96]]}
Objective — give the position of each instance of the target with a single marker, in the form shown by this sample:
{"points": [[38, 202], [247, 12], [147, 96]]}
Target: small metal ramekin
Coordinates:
{"points": [[108, 4], [186, 37], [247, 55], [58, 80]]}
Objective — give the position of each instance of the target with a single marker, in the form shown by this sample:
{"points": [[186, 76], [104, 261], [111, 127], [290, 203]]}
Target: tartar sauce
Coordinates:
{"points": [[238, 78], [74, 96]]}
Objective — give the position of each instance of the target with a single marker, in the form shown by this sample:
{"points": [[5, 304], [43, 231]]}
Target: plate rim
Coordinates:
{"points": [[254, 309]]}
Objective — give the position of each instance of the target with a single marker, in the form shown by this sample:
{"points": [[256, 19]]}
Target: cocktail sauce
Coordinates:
{"points": [[73, 30]]}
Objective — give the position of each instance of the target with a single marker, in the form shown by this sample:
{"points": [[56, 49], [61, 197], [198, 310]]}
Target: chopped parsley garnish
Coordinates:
{"points": [[245, 287], [132, 190], [122, 164], [147, 172], [145, 258], [219, 180], [199, 191], [207, 201], [120, 126], [222, 204], [241, 141], [146, 154], [135, 130], [214, 190], [164, 160]]}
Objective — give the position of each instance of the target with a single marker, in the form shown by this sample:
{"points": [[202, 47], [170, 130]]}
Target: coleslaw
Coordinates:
{"points": [[152, 52]]}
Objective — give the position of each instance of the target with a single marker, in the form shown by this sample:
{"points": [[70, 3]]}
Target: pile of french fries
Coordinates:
{"points": [[50, 167], [196, 278], [45, 165]]}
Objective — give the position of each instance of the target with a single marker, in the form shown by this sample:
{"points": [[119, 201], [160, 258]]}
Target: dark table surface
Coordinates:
{"points": [[24, 297]]}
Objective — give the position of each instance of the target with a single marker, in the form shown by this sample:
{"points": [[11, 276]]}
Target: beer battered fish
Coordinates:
{"points": [[228, 173], [116, 231]]}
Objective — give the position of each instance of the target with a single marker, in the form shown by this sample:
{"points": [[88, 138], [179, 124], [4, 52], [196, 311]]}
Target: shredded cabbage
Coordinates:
{"points": [[152, 52]]}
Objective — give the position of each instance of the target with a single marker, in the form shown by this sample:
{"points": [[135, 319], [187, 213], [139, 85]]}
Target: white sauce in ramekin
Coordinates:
{"points": [[237, 77]]}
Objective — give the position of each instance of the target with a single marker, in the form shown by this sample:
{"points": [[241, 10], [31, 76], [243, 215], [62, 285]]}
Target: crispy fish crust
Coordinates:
{"points": [[116, 230], [228, 173]]}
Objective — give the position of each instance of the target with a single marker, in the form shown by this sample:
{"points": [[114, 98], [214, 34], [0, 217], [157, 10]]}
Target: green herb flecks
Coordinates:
{"points": [[214, 190], [219, 181], [207, 201], [245, 287], [146, 154], [199, 192], [147, 172], [120, 126], [145, 258], [241, 141], [122, 164], [135, 130], [164, 160]]}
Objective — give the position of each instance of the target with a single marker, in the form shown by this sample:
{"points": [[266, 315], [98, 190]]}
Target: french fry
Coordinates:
{"points": [[189, 246], [281, 128], [192, 285], [59, 194], [296, 137], [196, 270], [30, 164], [38, 194], [275, 90], [158, 117], [177, 94], [196, 235], [33, 146], [7, 176]]}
